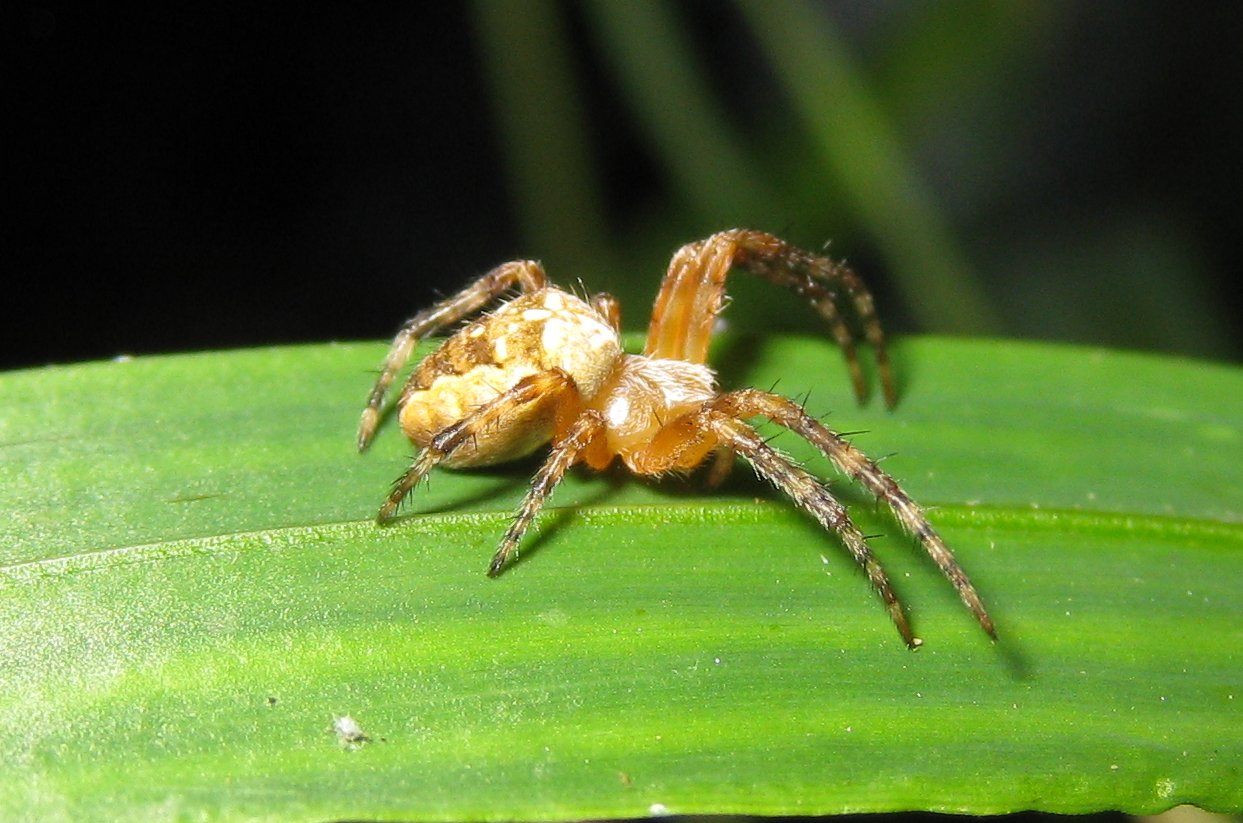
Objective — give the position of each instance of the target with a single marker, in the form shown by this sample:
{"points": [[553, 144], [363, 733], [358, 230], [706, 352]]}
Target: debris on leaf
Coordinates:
{"points": [[349, 734]]}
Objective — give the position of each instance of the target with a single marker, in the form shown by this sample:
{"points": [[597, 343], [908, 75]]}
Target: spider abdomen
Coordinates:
{"points": [[534, 333]]}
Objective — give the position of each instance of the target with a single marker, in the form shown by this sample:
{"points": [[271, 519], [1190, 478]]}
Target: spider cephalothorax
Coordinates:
{"points": [[548, 367]]}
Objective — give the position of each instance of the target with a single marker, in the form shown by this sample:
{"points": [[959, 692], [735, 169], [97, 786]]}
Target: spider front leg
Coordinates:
{"points": [[812, 496], [686, 441], [747, 403], [693, 292], [527, 275]]}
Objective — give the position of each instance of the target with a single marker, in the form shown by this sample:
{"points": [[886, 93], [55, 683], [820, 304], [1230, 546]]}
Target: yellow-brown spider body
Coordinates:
{"points": [[531, 334], [641, 396], [547, 367]]}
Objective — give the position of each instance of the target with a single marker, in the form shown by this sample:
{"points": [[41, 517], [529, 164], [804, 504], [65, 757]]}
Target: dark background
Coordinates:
{"points": [[212, 177]]}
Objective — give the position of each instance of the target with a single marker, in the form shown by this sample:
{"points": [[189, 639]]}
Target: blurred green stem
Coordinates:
{"points": [[555, 190], [651, 57], [860, 150]]}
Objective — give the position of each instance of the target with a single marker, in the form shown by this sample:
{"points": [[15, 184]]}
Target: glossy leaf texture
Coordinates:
{"points": [[192, 593]]}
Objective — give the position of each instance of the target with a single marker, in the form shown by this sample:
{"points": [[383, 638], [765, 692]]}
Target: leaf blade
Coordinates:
{"points": [[657, 647]]}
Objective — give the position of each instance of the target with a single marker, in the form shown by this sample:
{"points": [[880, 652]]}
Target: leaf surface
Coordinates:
{"points": [[192, 590]]}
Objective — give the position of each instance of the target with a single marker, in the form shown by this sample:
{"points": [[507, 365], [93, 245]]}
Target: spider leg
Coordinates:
{"points": [[693, 293], [525, 274], [609, 308], [566, 451], [553, 386], [809, 494], [687, 440], [859, 467]]}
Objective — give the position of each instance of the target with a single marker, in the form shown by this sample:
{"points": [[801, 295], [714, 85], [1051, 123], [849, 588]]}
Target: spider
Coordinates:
{"points": [[547, 366]]}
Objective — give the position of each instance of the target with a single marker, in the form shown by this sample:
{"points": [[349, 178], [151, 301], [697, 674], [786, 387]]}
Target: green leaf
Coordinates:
{"points": [[192, 591]]}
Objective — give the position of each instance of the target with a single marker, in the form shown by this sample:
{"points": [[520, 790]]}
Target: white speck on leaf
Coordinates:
{"points": [[349, 734]]}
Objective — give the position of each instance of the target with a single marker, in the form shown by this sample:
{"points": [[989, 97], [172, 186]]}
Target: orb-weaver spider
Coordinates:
{"points": [[547, 366]]}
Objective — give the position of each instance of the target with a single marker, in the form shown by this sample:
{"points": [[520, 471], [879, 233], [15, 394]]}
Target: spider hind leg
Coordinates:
{"points": [[527, 275], [551, 388], [566, 451]]}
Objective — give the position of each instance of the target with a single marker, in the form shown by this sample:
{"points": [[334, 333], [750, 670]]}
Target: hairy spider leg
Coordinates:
{"points": [[551, 387], [566, 451], [813, 497], [527, 275], [852, 462], [693, 293], [684, 442]]}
